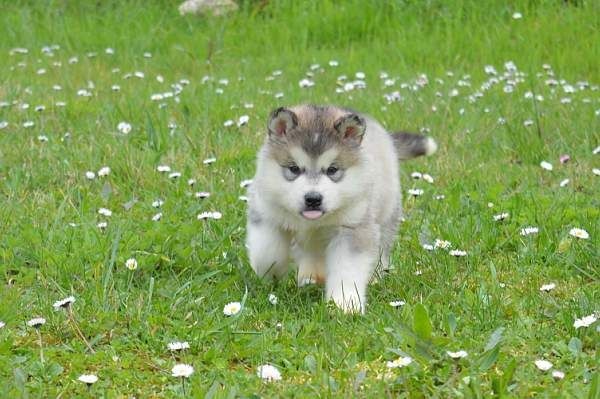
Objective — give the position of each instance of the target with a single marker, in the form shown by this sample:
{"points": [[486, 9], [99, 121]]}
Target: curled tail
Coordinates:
{"points": [[409, 145]]}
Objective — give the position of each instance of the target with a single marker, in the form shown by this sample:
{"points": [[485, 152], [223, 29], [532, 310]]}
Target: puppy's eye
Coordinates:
{"points": [[295, 169], [332, 170]]}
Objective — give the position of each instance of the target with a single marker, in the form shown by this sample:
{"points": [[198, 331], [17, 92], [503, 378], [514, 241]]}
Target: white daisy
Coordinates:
{"points": [[102, 225], [157, 217], [596, 171], [458, 252], [415, 192], [163, 168], [3, 124], [178, 346], [232, 308], [228, 123], [529, 230], [268, 373], [124, 127], [399, 363], [243, 120], [63, 303], [501, 216], [105, 212], [36, 322], [457, 355], [42, 138], [191, 182], [428, 247], [427, 178], [596, 150], [88, 379], [585, 321], [104, 171], [131, 264], [546, 165], [90, 175], [416, 175], [202, 194], [543, 365], [306, 83], [558, 375], [182, 370], [579, 233], [564, 182], [273, 299], [208, 161], [157, 203], [440, 197], [548, 287], [397, 304], [2, 324], [245, 183], [243, 198], [210, 215], [174, 175]]}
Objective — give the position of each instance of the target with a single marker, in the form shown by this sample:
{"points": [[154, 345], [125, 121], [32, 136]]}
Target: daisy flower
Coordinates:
{"points": [[36, 322], [546, 165], [399, 363], [548, 287], [585, 321], [202, 194], [273, 299], [529, 230], [182, 370], [232, 308], [63, 303], [397, 304], [210, 215], [596, 171], [88, 379], [268, 373], [174, 175], [458, 252], [2, 324], [245, 183], [543, 365], [191, 182], [163, 168], [131, 264], [90, 175], [157, 217], [501, 216], [428, 247], [178, 346], [208, 161], [579, 233], [564, 182], [102, 225], [457, 355], [427, 178], [306, 83], [104, 171], [243, 120], [157, 203], [558, 375], [104, 212], [415, 192]]}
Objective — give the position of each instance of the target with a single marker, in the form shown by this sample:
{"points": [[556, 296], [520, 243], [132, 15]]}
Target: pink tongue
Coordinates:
{"points": [[312, 214]]}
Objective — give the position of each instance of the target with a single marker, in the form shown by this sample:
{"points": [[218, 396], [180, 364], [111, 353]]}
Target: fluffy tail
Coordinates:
{"points": [[409, 145]]}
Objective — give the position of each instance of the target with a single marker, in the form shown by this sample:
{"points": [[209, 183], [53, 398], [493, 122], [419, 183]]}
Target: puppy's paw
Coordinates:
{"points": [[349, 304]]}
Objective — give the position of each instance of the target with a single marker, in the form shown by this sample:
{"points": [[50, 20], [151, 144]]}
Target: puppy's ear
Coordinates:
{"points": [[351, 127], [281, 122]]}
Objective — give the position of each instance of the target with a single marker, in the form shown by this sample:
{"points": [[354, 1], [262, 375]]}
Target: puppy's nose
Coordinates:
{"points": [[313, 199]]}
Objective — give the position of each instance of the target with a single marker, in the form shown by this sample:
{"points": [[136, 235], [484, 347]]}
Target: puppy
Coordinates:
{"points": [[327, 194]]}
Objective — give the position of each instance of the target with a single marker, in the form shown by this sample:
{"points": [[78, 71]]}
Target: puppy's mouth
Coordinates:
{"points": [[312, 214]]}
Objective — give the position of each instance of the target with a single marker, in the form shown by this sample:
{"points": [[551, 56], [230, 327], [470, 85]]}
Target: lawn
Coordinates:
{"points": [[117, 118]]}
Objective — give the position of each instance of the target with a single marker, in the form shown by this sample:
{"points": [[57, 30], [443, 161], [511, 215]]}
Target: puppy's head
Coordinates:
{"points": [[315, 157]]}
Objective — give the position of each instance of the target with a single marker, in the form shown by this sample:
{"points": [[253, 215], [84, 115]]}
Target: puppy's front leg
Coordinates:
{"points": [[351, 257], [268, 248]]}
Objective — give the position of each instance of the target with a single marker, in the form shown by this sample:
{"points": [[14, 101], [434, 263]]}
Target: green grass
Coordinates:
{"points": [[188, 270]]}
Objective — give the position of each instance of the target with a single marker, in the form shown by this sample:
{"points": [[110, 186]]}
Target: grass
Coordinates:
{"points": [[487, 303]]}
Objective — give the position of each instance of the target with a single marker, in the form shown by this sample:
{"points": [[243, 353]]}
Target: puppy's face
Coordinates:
{"points": [[314, 160]]}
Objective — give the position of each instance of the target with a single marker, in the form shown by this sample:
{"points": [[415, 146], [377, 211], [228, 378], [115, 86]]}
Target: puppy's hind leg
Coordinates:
{"points": [[268, 249]]}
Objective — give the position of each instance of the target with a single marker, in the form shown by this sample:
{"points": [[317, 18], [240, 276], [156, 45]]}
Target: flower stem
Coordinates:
{"points": [[78, 330], [183, 385], [39, 334]]}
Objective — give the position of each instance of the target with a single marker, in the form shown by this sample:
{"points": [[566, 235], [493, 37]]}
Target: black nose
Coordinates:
{"points": [[313, 199]]}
